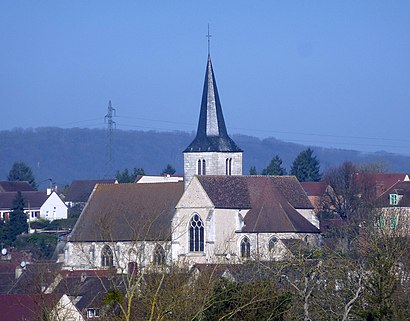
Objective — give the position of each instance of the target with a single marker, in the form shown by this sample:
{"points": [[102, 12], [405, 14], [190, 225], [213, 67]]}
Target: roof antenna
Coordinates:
{"points": [[209, 41]]}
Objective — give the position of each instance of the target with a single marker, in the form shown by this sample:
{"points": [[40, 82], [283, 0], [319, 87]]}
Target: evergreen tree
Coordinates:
{"points": [[275, 167], [22, 172], [253, 171], [169, 170], [18, 219], [127, 177], [306, 167]]}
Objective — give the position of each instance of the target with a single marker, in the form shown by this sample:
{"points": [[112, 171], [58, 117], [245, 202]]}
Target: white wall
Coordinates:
{"points": [[53, 208]]}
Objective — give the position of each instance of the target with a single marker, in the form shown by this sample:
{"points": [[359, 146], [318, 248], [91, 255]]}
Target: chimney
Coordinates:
{"points": [[49, 190]]}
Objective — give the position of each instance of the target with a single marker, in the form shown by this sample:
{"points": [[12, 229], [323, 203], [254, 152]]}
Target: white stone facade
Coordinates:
{"points": [[89, 255], [216, 163]]}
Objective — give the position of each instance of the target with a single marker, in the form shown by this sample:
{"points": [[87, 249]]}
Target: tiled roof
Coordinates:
{"points": [[212, 135], [271, 201], [36, 277], [32, 199], [381, 181], [29, 307], [6, 186], [400, 188], [314, 188], [88, 287], [80, 190], [124, 212]]}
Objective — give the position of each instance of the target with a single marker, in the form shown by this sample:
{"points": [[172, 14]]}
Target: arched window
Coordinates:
{"points": [[203, 167], [272, 243], [199, 168], [228, 166], [245, 248], [196, 234], [159, 255], [106, 256]]}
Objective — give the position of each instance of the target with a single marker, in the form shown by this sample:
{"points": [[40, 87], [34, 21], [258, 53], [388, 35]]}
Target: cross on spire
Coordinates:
{"points": [[209, 41]]}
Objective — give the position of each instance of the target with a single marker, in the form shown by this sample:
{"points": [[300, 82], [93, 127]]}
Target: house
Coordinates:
{"points": [[37, 205], [315, 192], [380, 182], [86, 289], [80, 190], [215, 215], [15, 186], [395, 206], [32, 307]]}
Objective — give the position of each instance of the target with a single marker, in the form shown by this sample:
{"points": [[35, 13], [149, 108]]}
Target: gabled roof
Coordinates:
{"points": [[381, 181], [211, 135], [128, 212], [80, 190], [400, 188], [6, 186], [314, 188], [32, 199], [271, 200], [29, 307], [88, 286]]}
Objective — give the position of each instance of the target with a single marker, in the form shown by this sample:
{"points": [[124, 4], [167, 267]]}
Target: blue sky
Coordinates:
{"points": [[328, 73]]}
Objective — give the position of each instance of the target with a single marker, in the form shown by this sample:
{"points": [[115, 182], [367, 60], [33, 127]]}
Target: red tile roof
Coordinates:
{"points": [[28, 307], [400, 188], [314, 188]]}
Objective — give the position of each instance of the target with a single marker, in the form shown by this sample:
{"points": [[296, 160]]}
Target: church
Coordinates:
{"points": [[216, 215]]}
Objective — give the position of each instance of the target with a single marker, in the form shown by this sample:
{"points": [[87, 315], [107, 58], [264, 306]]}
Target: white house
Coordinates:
{"points": [[37, 205]]}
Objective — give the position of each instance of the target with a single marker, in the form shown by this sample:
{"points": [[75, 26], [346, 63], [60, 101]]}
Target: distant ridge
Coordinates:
{"points": [[80, 153]]}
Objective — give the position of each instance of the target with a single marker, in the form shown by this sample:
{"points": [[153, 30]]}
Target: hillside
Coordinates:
{"points": [[78, 153]]}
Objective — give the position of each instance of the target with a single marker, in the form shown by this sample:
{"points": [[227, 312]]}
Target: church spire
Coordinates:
{"points": [[211, 134]]}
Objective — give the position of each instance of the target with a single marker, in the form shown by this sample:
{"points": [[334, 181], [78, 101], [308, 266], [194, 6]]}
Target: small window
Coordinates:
{"points": [[159, 255], [196, 234], [272, 243], [394, 199], [245, 248], [199, 168], [93, 313], [106, 257], [203, 167]]}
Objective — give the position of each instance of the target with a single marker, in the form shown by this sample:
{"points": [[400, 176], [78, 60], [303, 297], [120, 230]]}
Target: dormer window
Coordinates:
{"points": [[393, 199]]}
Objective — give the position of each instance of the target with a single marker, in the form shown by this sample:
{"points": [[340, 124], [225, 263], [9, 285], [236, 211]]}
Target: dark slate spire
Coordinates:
{"points": [[211, 135]]}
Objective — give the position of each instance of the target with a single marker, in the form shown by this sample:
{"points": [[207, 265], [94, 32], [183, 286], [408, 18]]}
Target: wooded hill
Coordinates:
{"points": [[80, 153]]}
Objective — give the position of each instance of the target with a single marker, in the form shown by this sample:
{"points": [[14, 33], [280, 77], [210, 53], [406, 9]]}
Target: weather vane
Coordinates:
{"points": [[209, 41]]}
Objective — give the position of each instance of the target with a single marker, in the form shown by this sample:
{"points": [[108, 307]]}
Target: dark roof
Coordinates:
{"points": [[400, 188], [211, 135], [88, 286], [314, 188], [6, 186], [124, 212], [271, 201], [80, 190], [36, 277], [32, 199], [28, 307]]}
